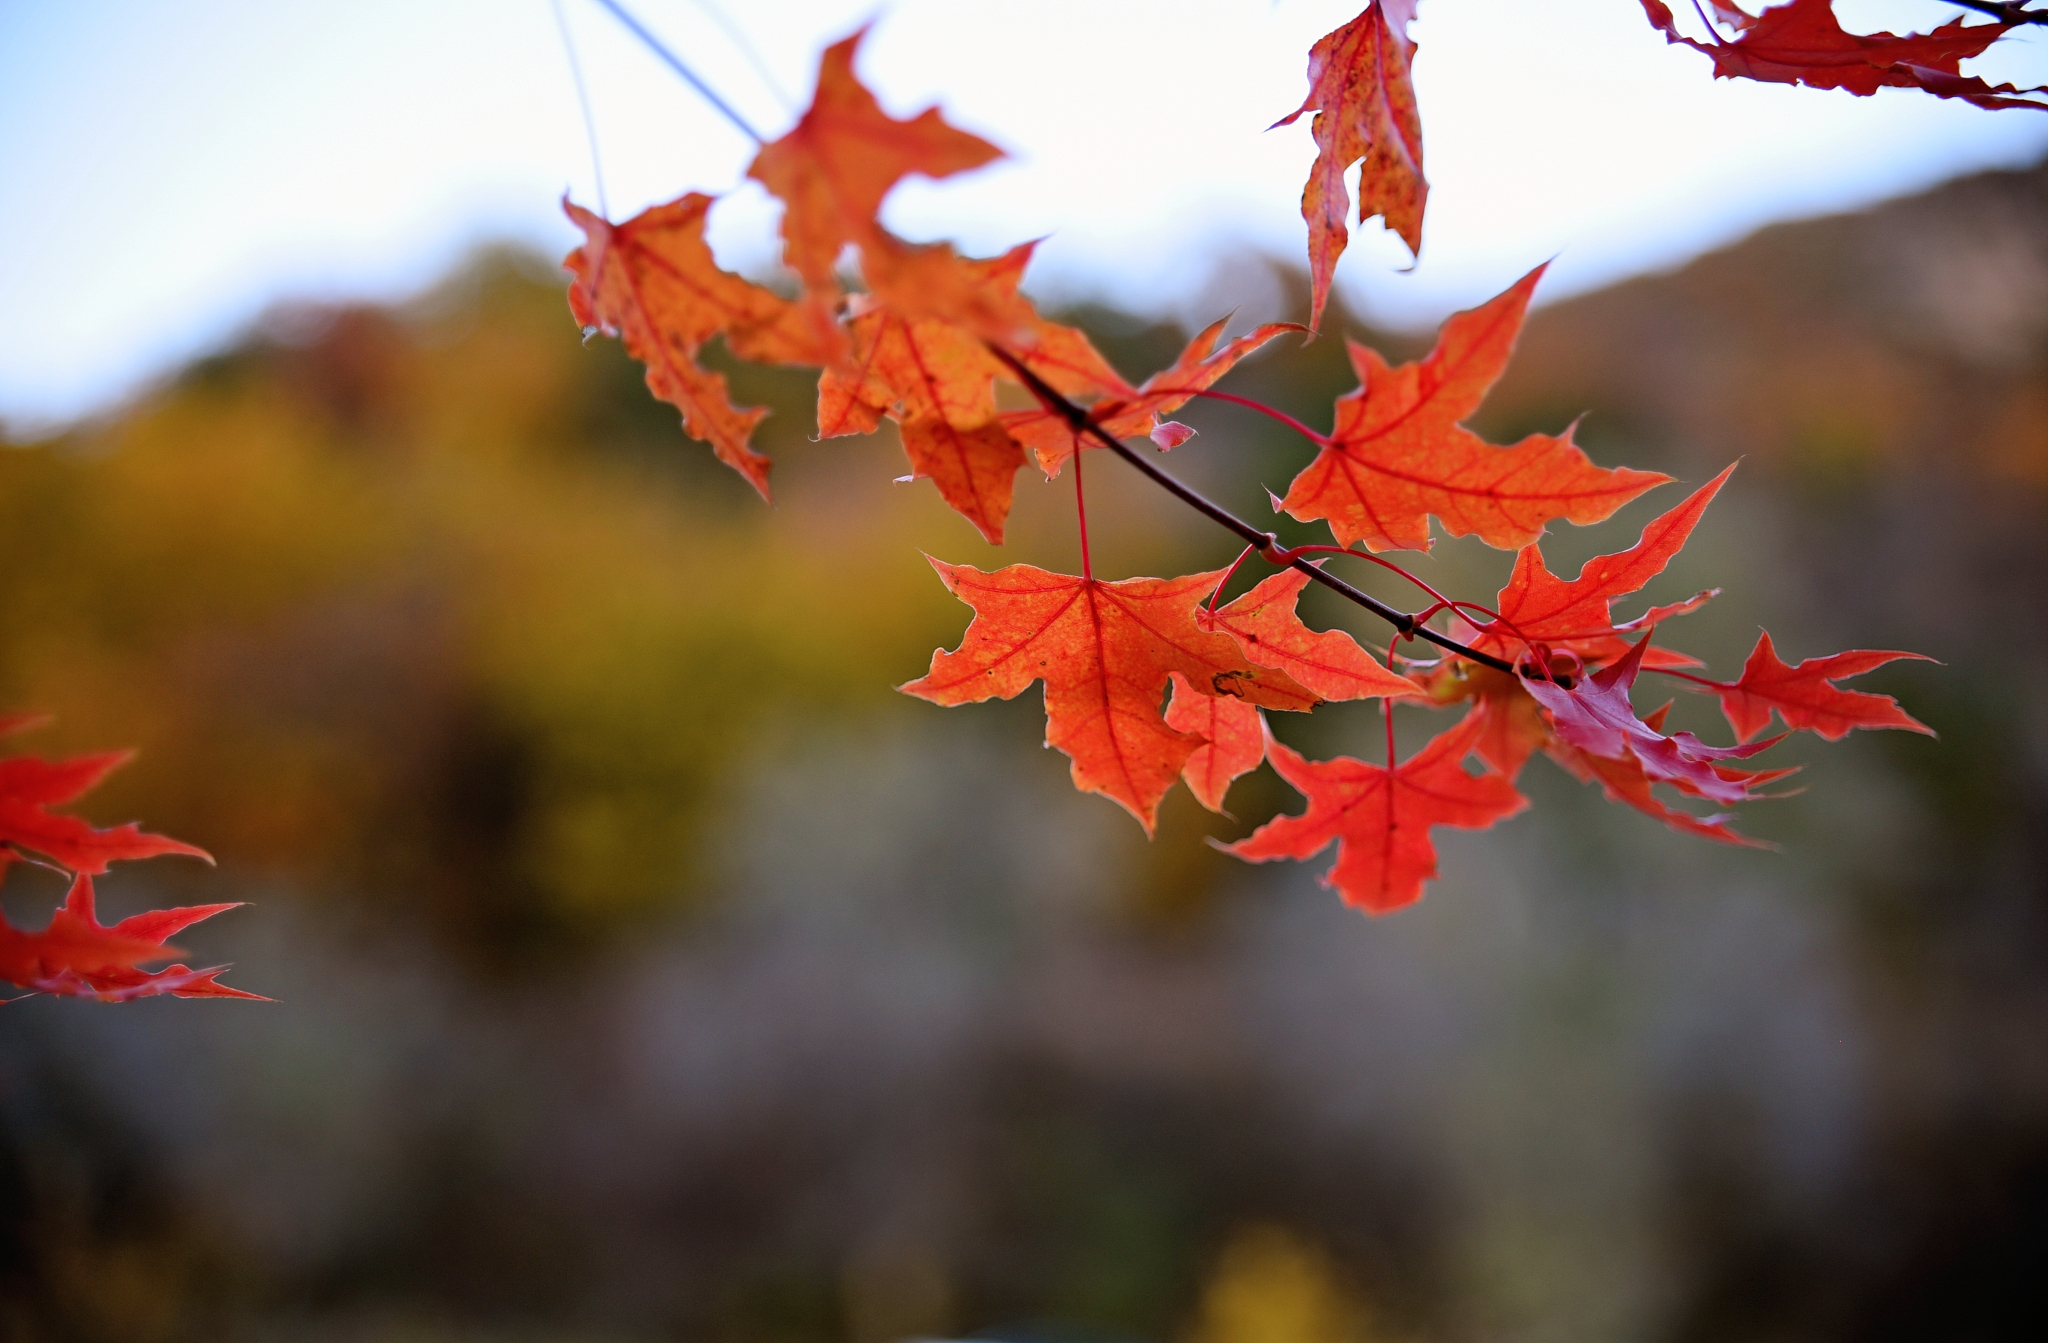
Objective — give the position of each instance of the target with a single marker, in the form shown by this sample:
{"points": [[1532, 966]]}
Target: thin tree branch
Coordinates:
{"points": [[583, 102], [675, 63], [1266, 543]]}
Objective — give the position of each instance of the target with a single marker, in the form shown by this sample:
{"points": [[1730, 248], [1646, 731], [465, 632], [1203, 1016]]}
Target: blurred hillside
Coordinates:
{"points": [[651, 970]]}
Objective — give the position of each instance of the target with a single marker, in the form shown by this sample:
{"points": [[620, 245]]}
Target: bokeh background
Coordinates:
{"points": [[649, 969]]}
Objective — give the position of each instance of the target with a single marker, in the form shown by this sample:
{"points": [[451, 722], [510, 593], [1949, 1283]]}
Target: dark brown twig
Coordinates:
{"points": [[1079, 420], [2004, 9]]}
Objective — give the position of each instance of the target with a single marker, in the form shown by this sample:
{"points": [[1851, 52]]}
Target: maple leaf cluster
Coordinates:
{"points": [[77, 955], [1149, 681]]}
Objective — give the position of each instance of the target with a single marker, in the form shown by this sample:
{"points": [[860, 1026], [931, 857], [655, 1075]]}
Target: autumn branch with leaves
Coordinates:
{"points": [[1149, 682]]}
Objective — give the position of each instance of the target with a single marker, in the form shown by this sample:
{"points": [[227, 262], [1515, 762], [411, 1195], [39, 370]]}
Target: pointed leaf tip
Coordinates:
{"points": [[1380, 818], [1399, 452]]}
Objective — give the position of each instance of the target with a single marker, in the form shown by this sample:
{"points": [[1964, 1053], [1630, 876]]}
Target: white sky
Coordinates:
{"points": [[167, 171]]}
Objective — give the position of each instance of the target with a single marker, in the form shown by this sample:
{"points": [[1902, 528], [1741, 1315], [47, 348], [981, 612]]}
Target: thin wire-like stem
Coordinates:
{"points": [[1081, 423], [1429, 612], [1387, 713], [675, 63], [583, 102], [1688, 676], [1229, 574], [1540, 657], [745, 46], [1081, 515], [1286, 556], [1320, 440]]}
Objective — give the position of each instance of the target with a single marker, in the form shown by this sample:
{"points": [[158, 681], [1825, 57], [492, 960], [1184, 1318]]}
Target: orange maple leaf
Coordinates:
{"points": [[1804, 697], [936, 378], [1328, 662], [80, 957], [1577, 614], [1105, 651], [1515, 728], [1233, 739], [932, 280], [979, 296], [1381, 818], [842, 157], [1399, 454], [652, 282], [1121, 410], [1361, 90]]}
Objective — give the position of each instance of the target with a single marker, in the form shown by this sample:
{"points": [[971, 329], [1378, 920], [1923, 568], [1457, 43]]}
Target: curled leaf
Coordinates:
{"points": [[652, 282], [1361, 90], [1804, 43], [1595, 716]]}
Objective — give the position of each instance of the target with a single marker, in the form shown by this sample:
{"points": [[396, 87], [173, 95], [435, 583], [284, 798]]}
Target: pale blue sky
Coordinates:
{"points": [[167, 171]]}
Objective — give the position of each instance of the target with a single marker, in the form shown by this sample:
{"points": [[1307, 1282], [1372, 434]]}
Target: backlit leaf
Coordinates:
{"points": [[1104, 651], [1381, 818], [1399, 454], [1360, 88]]}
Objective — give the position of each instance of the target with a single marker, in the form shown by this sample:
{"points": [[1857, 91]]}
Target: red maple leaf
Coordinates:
{"points": [[1623, 780], [1805, 697], [1399, 454], [28, 786], [1803, 43], [1381, 817], [1104, 651], [1361, 90], [1515, 727], [80, 957]]}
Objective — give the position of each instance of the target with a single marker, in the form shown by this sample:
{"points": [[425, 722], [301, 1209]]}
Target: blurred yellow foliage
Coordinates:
{"points": [[431, 605], [1270, 1286]]}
